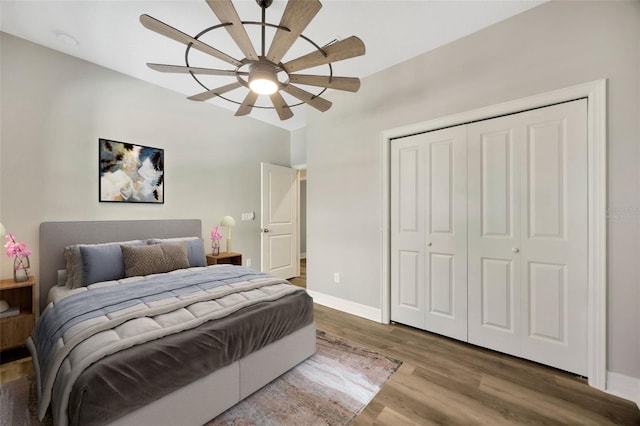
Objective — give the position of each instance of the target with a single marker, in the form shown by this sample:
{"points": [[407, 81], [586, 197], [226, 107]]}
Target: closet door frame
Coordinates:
{"points": [[596, 94]]}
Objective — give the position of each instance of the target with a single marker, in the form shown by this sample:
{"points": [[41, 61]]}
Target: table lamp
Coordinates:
{"points": [[229, 222]]}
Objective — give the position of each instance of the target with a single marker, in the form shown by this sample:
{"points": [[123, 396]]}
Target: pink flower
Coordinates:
{"points": [[215, 234], [15, 249]]}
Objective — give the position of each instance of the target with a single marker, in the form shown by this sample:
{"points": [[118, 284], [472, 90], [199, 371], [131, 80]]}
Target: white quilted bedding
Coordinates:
{"points": [[88, 341]]}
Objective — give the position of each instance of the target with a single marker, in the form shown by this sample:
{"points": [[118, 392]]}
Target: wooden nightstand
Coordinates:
{"points": [[15, 329], [225, 257]]}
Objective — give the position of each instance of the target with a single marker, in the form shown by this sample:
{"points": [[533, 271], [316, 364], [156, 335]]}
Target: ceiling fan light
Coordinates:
{"points": [[262, 79], [263, 86]]}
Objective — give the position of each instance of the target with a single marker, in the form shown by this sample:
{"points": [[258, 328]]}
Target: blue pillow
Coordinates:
{"points": [[195, 249], [102, 263]]}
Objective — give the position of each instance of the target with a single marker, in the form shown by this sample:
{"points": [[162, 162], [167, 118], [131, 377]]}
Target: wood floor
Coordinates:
{"points": [[443, 381], [446, 382]]}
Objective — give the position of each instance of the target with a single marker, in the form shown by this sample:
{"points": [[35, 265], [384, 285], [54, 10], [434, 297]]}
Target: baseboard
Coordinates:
{"points": [[623, 386], [353, 308]]}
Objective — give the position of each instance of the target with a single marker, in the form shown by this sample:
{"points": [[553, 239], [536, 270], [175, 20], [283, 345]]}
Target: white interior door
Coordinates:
{"points": [[528, 235], [279, 221], [429, 232]]}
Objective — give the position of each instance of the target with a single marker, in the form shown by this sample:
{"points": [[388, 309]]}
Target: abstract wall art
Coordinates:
{"points": [[130, 173]]}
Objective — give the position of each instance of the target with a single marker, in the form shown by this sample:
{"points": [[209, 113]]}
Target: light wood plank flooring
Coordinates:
{"points": [[301, 281], [443, 381]]}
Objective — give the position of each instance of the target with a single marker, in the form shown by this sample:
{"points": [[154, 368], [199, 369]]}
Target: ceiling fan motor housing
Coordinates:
{"points": [[264, 3]]}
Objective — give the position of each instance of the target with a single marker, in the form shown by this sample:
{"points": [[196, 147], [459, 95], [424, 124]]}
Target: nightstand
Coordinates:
{"points": [[225, 257], [15, 329]]}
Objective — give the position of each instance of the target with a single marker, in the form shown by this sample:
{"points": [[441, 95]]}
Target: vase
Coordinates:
{"points": [[215, 248], [21, 266]]}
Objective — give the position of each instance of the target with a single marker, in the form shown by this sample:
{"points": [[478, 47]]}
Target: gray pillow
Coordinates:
{"points": [[75, 265], [195, 248], [101, 263], [154, 259]]}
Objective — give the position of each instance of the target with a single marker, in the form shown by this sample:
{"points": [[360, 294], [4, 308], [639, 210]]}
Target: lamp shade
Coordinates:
{"points": [[2, 230], [228, 221]]}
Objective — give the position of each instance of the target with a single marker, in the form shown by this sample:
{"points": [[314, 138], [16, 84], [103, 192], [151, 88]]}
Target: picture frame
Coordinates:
{"points": [[130, 173]]}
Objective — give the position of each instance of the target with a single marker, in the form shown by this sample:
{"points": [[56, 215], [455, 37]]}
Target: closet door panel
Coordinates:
{"points": [[494, 234], [497, 290], [554, 237], [446, 238], [438, 198], [407, 233]]}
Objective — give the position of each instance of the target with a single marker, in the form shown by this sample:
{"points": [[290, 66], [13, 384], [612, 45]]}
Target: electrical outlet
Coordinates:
{"points": [[336, 277], [248, 261]]}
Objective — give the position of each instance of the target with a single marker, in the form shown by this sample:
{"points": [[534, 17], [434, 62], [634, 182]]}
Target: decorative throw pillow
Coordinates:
{"points": [[101, 263], [154, 259], [195, 248], [75, 264]]}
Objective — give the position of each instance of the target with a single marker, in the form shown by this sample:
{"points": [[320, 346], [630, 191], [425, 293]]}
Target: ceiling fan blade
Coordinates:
{"points": [[344, 49], [195, 70], [215, 92], [226, 12], [177, 35], [247, 104], [297, 15], [349, 84], [283, 110], [317, 102]]}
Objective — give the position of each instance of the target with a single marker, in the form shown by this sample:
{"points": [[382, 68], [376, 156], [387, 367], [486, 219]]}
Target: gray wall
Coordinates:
{"points": [[303, 217], [555, 45], [54, 109]]}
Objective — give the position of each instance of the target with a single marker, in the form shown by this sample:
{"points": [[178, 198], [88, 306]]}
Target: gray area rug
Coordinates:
{"points": [[330, 388]]}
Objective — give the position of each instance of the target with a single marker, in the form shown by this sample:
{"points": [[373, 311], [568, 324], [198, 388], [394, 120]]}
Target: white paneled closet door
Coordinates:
{"points": [[429, 231], [528, 235]]}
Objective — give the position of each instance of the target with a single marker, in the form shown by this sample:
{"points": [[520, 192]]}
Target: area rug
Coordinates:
{"points": [[330, 388]]}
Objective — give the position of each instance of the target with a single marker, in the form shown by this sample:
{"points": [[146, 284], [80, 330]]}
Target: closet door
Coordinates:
{"points": [[528, 235], [407, 232], [429, 232], [494, 233]]}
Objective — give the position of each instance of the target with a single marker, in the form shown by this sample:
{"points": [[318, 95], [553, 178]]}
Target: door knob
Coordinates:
{"points": [[265, 230], [515, 250], [429, 244]]}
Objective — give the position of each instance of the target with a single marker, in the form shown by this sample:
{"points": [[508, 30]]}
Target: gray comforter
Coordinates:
{"points": [[73, 335]]}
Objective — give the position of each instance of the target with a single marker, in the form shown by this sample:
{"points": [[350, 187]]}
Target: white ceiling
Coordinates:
{"points": [[108, 33]]}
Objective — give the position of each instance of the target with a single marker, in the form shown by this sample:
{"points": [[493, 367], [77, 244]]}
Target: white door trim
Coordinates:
{"points": [[596, 93]]}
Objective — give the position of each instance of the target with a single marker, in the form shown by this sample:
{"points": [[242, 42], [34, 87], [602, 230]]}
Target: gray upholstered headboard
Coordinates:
{"points": [[55, 236]]}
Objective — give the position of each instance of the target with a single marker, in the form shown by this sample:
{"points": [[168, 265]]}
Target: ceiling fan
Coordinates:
{"points": [[263, 73]]}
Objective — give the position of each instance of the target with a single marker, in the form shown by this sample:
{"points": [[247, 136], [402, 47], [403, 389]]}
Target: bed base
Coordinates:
{"points": [[206, 398]]}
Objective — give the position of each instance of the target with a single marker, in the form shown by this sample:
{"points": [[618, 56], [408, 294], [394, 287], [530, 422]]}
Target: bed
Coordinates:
{"points": [[167, 347]]}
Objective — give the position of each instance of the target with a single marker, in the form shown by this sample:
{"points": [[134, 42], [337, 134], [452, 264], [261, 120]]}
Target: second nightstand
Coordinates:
{"points": [[225, 257]]}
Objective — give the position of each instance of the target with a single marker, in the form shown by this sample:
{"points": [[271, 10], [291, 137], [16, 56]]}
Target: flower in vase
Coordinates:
{"points": [[215, 234], [20, 253], [15, 249]]}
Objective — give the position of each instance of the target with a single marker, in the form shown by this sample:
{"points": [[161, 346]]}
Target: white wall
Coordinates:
{"points": [[298, 147], [555, 45], [55, 107], [303, 217]]}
